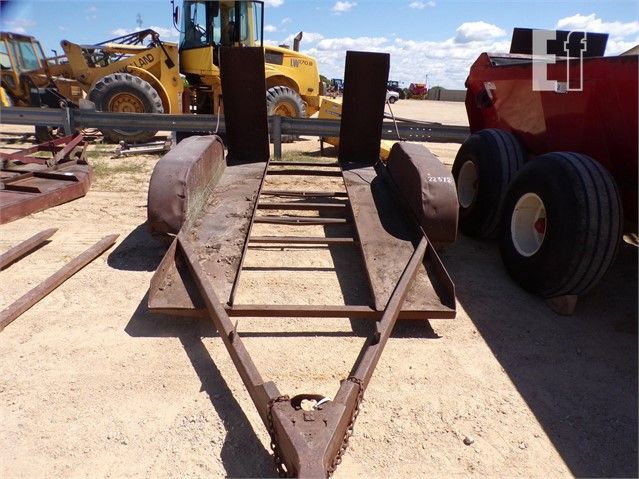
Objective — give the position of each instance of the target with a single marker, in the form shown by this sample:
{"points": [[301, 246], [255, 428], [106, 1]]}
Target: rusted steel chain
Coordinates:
{"points": [[349, 430]]}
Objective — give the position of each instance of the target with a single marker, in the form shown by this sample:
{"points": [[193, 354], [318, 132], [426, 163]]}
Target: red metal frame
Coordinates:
{"points": [[30, 184]]}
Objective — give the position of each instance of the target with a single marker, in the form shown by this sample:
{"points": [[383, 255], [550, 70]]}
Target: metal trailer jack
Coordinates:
{"points": [[30, 182], [207, 205]]}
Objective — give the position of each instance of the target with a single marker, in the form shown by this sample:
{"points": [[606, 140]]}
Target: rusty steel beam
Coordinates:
{"points": [[300, 206], [312, 443], [25, 302], [236, 281], [302, 240], [28, 245], [307, 311], [261, 392], [303, 163], [304, 172], [373, 349], [314, 194], [68, 148], [300, 220]]}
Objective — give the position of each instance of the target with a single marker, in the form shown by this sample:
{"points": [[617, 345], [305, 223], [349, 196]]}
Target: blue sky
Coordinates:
{"points": [[438, 38]]}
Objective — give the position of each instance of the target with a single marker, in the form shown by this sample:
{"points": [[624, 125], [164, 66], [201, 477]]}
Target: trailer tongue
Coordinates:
{"points": [[211, 204]]}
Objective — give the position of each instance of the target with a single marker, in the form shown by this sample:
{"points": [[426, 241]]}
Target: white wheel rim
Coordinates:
{"points": [[467, 184], [528, 224]]}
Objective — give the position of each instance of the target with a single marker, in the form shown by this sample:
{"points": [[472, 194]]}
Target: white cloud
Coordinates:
{"points": [[349, 43], [307, 37], [273, 3], [341, 7], [91, 13], [591, 23], [18, 25], [477, 32], [286, 20], [419, 5], [445, 62], [622, 35], [165, 33], [270, 28]]}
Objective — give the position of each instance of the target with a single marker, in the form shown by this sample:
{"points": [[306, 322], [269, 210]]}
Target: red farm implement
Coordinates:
{"points": [[551, 164]]}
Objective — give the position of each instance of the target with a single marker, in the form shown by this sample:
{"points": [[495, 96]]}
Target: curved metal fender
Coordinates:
{"points": [[181, 182], [428, 188]]}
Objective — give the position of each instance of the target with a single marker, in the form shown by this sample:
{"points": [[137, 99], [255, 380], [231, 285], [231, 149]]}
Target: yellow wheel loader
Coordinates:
{"points": [[140, 73], [26, 78], [135, 73], [121, 75], [293, 85]]}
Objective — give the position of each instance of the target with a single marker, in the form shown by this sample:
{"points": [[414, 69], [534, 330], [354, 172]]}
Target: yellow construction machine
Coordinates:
{"points": [[293, 85], [24, 68], [140, 73], [122, 75]]}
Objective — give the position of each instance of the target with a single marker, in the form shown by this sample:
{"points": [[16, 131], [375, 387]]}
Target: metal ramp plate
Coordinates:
{"points": [[387, 241], [218, 236]]}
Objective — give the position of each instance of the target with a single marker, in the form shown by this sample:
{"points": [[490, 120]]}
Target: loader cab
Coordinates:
{"points": [[18, 54], [207, 24]]}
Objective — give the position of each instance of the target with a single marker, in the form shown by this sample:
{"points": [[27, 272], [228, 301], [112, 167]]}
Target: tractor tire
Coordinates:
{"points": [[564, 224], [284, 101], [483, 169], [125, 93]]}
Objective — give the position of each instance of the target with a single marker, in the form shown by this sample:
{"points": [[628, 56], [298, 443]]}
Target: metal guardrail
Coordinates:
{"points": [[72, 119]]}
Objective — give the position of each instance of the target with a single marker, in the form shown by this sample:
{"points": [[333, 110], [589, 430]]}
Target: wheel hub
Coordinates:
{"points": [[284, 109], [126, 103], [528, 224], [467, 184]]}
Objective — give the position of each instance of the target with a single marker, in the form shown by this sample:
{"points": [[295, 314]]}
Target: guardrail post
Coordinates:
{"points": [[277, 136], [68, 124]]}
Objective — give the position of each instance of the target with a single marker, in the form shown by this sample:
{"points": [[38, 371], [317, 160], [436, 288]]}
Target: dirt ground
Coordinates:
{"points": [[92, 384]]}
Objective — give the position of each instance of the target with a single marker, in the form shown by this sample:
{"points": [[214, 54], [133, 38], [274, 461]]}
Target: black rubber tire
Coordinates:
{"points": [[584, 222], [278, 95], [104, 90], [392, 100], [497, 155], [47, 133]]}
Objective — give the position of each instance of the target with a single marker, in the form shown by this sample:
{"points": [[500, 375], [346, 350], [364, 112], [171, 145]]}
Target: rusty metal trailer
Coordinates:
{"points": [[207, 204]]}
